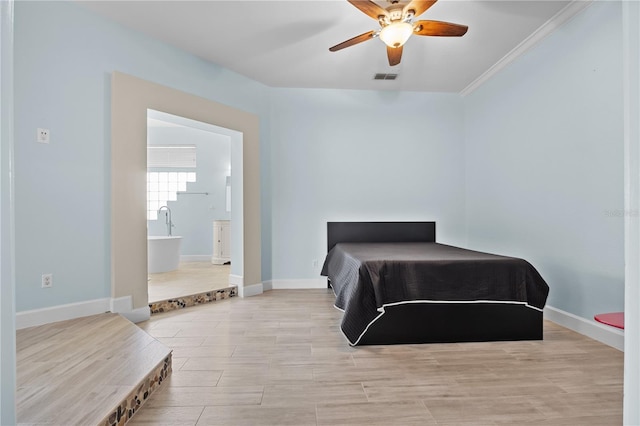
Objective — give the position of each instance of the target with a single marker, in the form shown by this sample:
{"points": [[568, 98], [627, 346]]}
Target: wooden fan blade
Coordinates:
{"points": [[352, 41], [419, 6], [369, 8], [439, 29], [394, 54]]}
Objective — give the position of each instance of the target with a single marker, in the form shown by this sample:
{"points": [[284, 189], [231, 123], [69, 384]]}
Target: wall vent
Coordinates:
{"points": [[382, 76]]}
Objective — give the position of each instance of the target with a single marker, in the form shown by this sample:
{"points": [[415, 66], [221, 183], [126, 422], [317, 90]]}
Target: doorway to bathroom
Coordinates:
{"points": [[131, 97], [189, 209]]}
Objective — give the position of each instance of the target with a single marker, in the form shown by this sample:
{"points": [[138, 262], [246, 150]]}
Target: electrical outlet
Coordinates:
{"points": [[47, 280], [42, 135], [314, 262]]}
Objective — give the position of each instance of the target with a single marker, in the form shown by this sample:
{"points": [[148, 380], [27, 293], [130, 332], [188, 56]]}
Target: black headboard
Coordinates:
{"points": [[380, 232]]}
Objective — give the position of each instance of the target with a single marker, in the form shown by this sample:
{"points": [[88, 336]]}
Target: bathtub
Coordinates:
{"points": [[163, 253]]}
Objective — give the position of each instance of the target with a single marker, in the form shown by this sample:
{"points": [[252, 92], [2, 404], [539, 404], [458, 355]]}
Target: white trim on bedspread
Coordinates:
{"points": [[407, 302]]}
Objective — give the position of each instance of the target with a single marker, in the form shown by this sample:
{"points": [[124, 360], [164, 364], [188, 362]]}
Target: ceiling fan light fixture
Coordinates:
{"points": [[396, 34]]}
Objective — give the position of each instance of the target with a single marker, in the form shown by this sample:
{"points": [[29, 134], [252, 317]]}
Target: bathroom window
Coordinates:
{"points": [[163, 187]]}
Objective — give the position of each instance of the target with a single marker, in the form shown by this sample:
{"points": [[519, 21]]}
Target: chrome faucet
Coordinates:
{"points": [[167, 218]]}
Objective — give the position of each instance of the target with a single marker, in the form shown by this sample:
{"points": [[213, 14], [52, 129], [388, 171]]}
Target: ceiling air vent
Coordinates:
{"points": [[382, 76]]}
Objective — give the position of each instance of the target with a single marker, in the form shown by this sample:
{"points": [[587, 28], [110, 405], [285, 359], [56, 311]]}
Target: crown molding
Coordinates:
{"points": [[556, 21]]}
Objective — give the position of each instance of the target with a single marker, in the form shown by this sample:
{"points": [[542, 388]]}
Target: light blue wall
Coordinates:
{"points": [[544, 161], [340, 155], [63, 62], [193, 214]]}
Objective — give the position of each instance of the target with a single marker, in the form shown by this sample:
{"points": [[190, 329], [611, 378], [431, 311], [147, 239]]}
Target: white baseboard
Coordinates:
{"points": [[137, 315], [608, 335], [120, 305], [255, 289], [68, 311], [124, 307], [295, 284], [251, 290], [236, 280], [245, 291], [195, 258]]}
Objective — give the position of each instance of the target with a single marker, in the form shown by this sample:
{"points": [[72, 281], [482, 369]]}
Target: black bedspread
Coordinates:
{"points": [[366, 277]]}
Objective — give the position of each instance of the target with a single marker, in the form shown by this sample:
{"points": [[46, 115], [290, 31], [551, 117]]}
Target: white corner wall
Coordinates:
{"points": [[7, 280], [631, 52]]}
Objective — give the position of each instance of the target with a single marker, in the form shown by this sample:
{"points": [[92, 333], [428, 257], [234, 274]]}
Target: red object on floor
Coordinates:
{"points": [[614, 319]]}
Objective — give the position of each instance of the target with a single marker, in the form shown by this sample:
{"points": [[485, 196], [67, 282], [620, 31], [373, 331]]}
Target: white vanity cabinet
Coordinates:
{"points": [[221, 242]]}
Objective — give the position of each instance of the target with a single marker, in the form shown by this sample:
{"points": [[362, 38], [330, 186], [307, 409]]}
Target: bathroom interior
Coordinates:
{"points": [[188, 207]]}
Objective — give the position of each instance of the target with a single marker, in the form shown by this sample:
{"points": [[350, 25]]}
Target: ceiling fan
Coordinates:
{"points": [[396, 25]]}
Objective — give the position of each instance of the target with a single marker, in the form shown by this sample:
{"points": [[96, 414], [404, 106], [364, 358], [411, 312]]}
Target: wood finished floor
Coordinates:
{"points": [[280, 359], [75, 372], [190, 278]]}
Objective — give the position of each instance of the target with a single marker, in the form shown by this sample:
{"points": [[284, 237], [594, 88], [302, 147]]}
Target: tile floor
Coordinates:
{"points": [[280, 359], [190, 278]]}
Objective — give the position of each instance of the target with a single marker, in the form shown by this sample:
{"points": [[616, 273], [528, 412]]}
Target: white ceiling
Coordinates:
{"points": [[285, 43]]}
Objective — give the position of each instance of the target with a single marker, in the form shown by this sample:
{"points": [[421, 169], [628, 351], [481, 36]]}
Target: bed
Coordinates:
{"points": [[396, 285]]}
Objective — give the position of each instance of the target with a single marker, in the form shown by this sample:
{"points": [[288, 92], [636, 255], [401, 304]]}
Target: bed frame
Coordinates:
{"points": [[435, 322]]}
